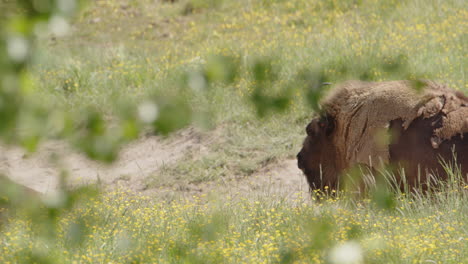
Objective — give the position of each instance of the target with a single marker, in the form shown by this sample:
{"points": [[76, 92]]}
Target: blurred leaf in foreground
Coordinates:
{"points": [[219, 68]]}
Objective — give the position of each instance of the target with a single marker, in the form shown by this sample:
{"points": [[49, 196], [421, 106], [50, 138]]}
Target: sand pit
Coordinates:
{"points": [[141, 159]]}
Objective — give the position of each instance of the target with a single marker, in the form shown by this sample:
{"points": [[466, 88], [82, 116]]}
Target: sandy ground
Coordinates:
{"points": [[40, 171]]}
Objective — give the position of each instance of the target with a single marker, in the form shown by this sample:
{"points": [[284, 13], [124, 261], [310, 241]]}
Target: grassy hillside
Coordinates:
{"points": [[125, 50]]}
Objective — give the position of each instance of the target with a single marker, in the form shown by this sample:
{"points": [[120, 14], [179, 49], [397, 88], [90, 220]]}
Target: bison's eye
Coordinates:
{"points": [[323, 126], [312, 129]]}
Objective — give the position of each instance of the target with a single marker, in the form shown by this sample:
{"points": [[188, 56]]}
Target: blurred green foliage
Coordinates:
{"points": [[265, 75]]}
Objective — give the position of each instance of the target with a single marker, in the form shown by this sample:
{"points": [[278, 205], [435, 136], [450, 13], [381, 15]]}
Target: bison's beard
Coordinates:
{"points": [[321, 177]]}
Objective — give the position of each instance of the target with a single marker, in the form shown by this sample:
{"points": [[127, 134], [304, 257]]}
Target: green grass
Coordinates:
{"points": [[121, 51], [124, 228]]}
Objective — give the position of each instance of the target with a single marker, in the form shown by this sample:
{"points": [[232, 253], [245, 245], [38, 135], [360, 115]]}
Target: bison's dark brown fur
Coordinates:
{"points": [[430, 132], [412, 151]]}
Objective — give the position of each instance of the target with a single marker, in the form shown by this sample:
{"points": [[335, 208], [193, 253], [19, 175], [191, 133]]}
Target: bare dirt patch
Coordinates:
{"points": [[139, 160], [40, 170]]}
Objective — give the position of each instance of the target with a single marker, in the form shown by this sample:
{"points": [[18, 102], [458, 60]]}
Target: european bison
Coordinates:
{"points": [[372, 124]]}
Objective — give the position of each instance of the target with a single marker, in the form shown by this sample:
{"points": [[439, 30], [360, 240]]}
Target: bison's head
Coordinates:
{"points": [[317, 158]]}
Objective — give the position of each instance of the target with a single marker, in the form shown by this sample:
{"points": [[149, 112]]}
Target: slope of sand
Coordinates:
{"points": [[40, 171]]}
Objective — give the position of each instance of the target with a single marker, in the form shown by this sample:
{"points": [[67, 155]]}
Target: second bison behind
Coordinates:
{"points": [[426, 128]]}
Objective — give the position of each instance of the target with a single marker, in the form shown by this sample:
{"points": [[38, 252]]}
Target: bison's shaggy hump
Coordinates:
{"points": [[363, 109]]}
